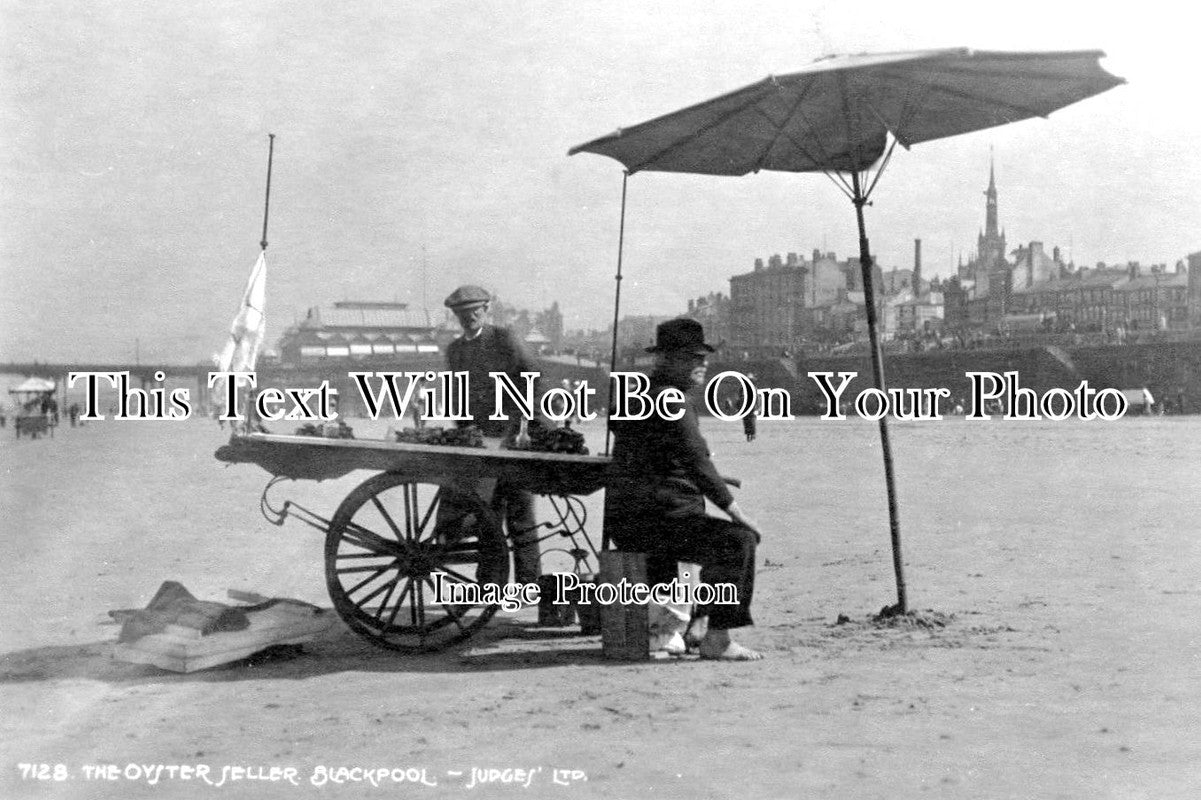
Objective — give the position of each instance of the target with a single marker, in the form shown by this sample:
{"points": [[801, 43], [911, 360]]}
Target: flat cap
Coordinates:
{"points": [[467, 296]]}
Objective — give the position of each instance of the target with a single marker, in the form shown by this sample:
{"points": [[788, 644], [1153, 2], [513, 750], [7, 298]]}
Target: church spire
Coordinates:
{"points": [[990, 205]]}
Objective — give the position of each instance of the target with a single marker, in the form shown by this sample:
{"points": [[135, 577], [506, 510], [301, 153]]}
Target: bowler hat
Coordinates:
{"points": [[681, 334], [467, 297]]}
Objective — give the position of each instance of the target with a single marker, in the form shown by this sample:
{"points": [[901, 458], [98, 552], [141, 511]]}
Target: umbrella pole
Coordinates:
{"points": [[869, 303], [621, 239]]}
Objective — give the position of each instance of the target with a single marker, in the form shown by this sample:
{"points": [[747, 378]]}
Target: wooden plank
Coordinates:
{"points": [[246, 597]]}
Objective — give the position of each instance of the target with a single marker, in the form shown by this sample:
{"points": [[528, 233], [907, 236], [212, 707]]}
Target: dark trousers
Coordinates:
{"points": [[516, 508], [724, 549]]}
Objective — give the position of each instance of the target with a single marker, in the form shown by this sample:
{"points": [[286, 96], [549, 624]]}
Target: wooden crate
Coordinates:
{"points": [[625, 629]]}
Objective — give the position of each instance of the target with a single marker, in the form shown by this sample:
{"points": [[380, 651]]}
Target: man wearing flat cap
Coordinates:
{"points": [[481, 349], [657, 505]]}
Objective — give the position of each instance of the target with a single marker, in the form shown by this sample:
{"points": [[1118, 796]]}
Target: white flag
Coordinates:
{"points": [[249, 326]]}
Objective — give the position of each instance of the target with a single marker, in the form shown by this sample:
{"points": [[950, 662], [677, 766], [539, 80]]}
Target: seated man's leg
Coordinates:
{"points": [[724, 549], [661, 566], [523, 530], [643, 533], [726, 552]]}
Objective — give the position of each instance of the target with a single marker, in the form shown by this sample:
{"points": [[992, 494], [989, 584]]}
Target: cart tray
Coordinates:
{"points": [[317, 458]]}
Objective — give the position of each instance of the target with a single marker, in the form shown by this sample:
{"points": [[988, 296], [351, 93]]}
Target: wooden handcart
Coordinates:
{"points": [[428, 511]]}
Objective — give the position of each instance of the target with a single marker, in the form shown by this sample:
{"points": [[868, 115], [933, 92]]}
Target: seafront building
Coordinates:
{"points": [[371, 332], [360, 331], [786, 305], [789, 306], [368, 336], [787, 300]]}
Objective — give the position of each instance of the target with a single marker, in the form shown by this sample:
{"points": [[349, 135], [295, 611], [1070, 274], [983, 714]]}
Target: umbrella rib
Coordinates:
{"points": [[698, 133], [992, 102], [880, 171], [908, 112], [650, 123], [838, 180], [852, 142], [781, 131], [880, 117], [846, 109], [934, 86]]}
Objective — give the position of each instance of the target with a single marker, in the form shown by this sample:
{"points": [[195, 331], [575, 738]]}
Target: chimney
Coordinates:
{"points": [[1055, 255], [774, 262], [917, 266], [792, 260], [1132, 269], [1194, 277], [758, 264], [817, 255]]}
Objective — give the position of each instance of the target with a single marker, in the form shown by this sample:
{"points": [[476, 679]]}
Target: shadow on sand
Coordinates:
{"points": [[502, 645]]}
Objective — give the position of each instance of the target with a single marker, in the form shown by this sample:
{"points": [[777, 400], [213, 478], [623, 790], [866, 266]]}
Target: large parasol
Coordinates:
{"points": [[837, 116]]}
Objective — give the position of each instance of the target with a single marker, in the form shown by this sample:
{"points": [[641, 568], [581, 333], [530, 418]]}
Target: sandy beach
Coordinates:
{"points": [[1062, 554]]}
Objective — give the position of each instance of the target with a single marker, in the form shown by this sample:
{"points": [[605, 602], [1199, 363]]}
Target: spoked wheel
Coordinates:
{"points": [[389, 541]]}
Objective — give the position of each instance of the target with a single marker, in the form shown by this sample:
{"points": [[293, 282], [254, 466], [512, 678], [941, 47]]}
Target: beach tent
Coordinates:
{"points": [[34, 385]]}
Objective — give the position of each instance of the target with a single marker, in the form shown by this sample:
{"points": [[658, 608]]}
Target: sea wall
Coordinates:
{"points": [[1170, 370]]}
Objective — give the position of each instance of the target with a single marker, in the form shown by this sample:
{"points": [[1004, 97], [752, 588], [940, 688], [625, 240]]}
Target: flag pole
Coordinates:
{"points": [[267, 200], [251, 419]]}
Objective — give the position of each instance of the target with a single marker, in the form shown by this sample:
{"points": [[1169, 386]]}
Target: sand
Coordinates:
{"points": [[1060, 559]]}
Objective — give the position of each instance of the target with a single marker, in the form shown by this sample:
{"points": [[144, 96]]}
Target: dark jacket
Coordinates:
{"points": [[493, 350], [664, 465]]}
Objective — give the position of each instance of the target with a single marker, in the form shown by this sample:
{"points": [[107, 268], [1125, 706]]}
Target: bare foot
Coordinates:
{"points": [[671, 644], [697, 628], [718, 646]]}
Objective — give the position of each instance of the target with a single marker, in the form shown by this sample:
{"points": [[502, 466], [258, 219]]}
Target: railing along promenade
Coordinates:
{"points": [[57, 370]]}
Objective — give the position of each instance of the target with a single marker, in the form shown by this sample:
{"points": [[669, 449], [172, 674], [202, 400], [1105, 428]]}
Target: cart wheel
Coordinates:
{"points": [[385, 544]]}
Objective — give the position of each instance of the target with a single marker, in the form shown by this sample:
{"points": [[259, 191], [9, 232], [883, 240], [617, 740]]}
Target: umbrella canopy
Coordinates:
{"points": [[835, 114]]}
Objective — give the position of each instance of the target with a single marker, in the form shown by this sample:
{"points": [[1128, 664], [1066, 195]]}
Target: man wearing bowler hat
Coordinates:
{"points": [[482, 349], [657, 505]]}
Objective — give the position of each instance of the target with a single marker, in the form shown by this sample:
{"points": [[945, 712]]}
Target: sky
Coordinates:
{"points": [[424, 145]]}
